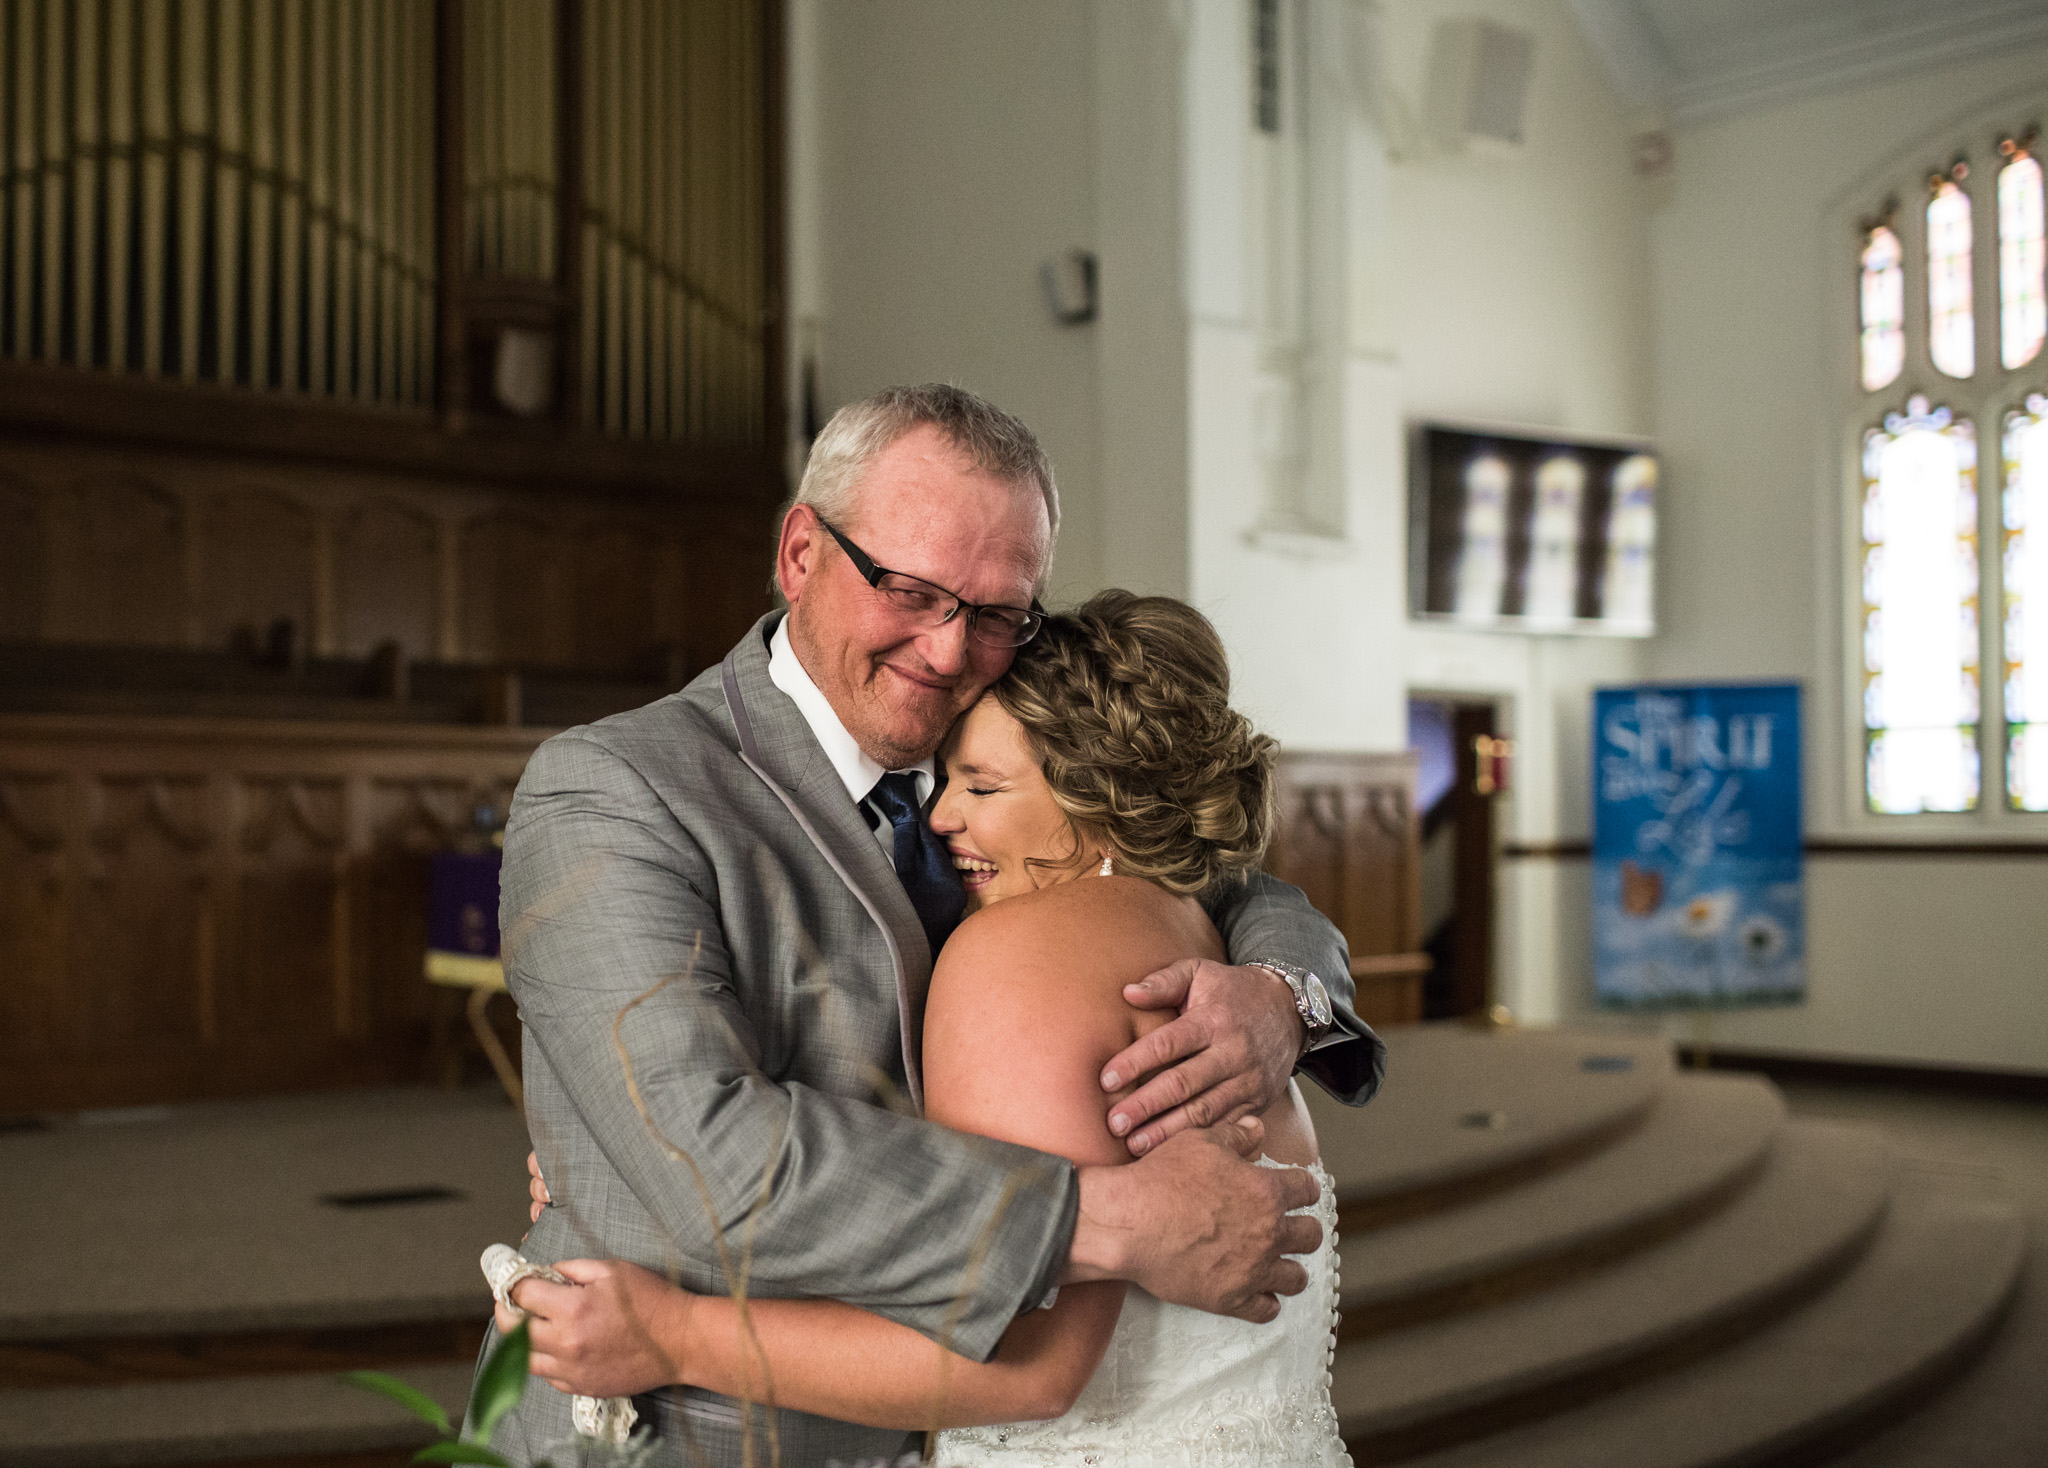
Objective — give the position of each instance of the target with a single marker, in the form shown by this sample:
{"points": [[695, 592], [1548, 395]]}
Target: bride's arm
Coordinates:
{"points": [[623, 1329], [1014, 1040]]}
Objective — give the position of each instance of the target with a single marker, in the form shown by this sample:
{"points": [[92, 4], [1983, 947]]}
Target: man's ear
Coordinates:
{"points": [[796, 551]]}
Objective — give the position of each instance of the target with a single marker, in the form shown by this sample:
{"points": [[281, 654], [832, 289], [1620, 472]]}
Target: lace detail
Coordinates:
{"points": [[1180, 1386]]}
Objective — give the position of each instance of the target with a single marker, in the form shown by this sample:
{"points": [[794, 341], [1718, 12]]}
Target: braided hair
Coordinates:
{"points": [[1126, 702]]}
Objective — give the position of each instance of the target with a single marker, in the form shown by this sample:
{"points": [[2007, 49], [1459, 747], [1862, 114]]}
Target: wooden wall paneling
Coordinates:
{"points": [[136, 549], [24, 560], [671, 603], [193, 908], [37, 812], [143, 960], [259, 564], [731, 554], [613, 600], [388, 571], [512, 600], [118, 563], [289, 968], [448, 601], [1350, 838], [1309, 849]]}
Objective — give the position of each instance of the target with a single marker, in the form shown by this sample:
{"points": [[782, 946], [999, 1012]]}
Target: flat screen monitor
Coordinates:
{"points": [[1531, 534]]}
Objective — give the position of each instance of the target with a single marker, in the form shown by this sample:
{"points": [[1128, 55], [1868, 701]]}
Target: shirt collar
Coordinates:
{"points": [[855, 770]]}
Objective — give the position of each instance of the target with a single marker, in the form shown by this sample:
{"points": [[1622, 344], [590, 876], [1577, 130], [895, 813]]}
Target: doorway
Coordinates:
{"points": [[1462, 769]]}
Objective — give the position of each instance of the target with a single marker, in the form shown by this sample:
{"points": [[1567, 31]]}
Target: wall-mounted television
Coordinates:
{"points": [[1531, 534]]}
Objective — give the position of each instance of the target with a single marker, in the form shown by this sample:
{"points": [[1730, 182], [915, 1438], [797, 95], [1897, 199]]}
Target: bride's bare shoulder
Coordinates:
{"points": [[1087, 930], [1026, 1006]]}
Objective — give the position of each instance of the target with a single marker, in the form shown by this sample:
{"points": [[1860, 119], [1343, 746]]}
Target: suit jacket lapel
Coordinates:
{"points": [[779, 745]]}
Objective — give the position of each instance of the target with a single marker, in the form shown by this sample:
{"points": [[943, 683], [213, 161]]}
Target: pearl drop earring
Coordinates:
{"points": [[1108, 867]]}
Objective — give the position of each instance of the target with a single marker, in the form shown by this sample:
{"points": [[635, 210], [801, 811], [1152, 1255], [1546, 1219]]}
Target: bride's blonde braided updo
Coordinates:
{"points": [[1126, 701]]}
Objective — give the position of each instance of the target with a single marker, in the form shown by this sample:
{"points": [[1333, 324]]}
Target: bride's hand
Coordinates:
{"points": [[609, 1334], [1236, 1043], [536, 1187]]}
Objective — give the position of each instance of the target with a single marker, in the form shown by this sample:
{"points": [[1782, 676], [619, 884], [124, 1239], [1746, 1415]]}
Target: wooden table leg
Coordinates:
{"points": [[479, 1000]]}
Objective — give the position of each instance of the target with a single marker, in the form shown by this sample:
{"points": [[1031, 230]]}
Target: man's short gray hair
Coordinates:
{"points": [[996, 443]]}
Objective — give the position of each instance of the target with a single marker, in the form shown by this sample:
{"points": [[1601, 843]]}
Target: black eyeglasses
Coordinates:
{"points": [[934, 606]]}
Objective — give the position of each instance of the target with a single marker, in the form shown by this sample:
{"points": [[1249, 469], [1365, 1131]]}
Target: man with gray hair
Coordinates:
{"points": [[721, 912]]}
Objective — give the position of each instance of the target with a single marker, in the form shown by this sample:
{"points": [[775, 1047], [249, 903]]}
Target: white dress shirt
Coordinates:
{"points": [[856, 771]]}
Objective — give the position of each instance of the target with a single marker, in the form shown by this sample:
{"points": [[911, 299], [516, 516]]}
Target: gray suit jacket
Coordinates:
{"points": [[722, 985]]}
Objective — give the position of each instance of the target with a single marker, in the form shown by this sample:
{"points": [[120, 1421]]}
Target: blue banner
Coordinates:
{"points": [[1698, 894]]}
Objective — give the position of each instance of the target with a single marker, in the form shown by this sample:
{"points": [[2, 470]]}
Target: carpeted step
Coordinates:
{"points": [[1931, 1287], [1467, 1111], [1704, 1139], [1813, 1206], [225, 1418], [365, 1208]]}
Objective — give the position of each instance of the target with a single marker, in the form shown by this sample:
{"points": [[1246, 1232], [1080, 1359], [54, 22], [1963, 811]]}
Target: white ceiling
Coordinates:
{"points": [[1708, 58]]}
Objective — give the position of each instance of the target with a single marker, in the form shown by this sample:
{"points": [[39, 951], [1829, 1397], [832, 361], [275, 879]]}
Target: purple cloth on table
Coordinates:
{"points": [[462, 902]]}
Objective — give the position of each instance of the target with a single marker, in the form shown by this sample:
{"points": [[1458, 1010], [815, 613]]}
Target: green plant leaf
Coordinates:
{"points": [[500, 1385], [455, 1452], [411, 1398]]}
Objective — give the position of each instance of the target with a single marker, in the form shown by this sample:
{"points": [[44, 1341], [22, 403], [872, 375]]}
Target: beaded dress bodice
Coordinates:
{"points": [[1182, 1387]]}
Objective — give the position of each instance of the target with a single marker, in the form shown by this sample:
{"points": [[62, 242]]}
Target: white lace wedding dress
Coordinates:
{"points": [[1180, 1387]]}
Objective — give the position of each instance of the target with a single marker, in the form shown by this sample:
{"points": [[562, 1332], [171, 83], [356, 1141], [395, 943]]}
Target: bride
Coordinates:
{"points": [[1089, 796]]}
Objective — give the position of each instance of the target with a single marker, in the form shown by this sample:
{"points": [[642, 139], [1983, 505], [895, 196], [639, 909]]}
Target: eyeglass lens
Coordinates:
{"points": [[997, 626]]}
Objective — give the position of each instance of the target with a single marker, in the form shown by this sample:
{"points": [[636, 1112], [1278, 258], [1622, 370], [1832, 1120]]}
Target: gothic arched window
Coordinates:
{"points": [[1920, 691], [2024, 561], [1948, 651], [1884, 308], [2023, 309], [1951, 303]]}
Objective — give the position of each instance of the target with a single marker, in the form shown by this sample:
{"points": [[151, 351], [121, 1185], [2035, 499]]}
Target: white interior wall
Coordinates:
{"points": [[1504, 289], [941, 150], [1936, 960]]}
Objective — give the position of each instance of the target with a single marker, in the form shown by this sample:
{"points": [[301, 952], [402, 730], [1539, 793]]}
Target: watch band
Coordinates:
{"points": [[1311, 1000]]}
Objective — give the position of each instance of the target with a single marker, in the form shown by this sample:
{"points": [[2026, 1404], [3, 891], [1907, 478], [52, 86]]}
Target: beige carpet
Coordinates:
{"points": [[219, 1217], [1996, 1416]]}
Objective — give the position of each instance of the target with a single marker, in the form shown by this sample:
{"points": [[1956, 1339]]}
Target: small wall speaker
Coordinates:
{"points": [[1479, 85]]}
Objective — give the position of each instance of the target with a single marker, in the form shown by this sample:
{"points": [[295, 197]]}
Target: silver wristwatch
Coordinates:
{"points": [[1311, 999]]}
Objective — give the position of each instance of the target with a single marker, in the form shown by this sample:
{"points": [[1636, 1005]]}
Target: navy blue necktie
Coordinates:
{"points": [[922, 861]]}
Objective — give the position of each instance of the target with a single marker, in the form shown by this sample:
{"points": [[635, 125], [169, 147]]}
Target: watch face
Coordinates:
{"points": [[1319, 1002]]}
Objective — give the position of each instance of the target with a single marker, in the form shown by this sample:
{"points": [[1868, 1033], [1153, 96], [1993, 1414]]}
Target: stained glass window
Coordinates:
{"points": [[1884, 308], [1920, 660], [1553, 587], [2022, 306], [1951, 322], [2026, 605], [1631, 540], [1483, 540]]}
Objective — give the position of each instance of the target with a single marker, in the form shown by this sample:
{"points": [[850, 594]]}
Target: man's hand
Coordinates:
{"points": [[1236, 1042], [606, 1335], [536, 1187], [1196, 1223]]}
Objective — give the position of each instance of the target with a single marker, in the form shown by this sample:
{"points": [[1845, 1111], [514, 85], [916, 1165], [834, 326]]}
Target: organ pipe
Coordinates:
{"points": [[245, 192], [239, 191], [85, 157], [120, 178], [673, 158]]}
